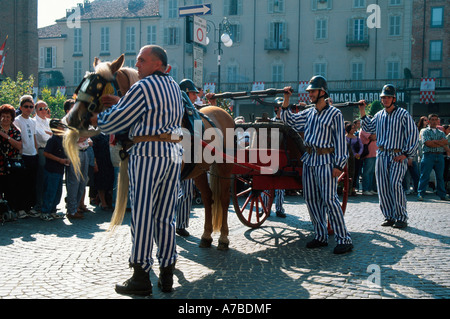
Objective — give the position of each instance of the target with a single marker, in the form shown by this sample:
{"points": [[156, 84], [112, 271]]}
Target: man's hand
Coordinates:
{"points": [[336, 172], [109, 100], [399, 158], [211, 98]]}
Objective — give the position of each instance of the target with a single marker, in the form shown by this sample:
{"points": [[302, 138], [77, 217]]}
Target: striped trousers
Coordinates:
{"points": [[278, 199], [320, 192], [154, 183], [389, 175], [185, 197]]}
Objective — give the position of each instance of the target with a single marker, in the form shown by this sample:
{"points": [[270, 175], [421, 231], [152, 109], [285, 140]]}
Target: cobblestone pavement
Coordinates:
{"points": [[81, 260]]}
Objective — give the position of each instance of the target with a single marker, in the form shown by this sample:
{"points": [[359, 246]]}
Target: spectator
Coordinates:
{"points": [[10, 147], [368, 169], [357, 147], [434, 141], [27, 128], [56, 160], [43, 134]]}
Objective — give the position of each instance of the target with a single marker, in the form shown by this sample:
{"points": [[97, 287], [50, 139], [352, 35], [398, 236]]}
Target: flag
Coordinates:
{"points": [[2, 63], [302, 94], [427, 90], [2, 49]]}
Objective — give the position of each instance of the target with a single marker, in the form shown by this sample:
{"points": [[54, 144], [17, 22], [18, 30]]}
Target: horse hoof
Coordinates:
{"points": [[205, 242], [223, 245]]}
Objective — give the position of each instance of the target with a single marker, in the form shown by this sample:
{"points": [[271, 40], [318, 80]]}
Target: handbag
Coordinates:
{"points": [[365, 151], [15, 163]]}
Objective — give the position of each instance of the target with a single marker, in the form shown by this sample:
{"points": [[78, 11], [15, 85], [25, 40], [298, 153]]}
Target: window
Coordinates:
{"points": [[232, 7], [320, 69], [47, 57], [275, 6], [437, 17], [77, 72], [173, 9], [104, 40], [130, 63], [321, 29], [151, 34], [358, 29], [77, 41], [235, 32], [395, 2], [359, 3], [277, 73], [232, 73], [394, 25], [321, 4], [435, 73], [393, 70], [357, 71], [277, 36], [130, 46], [436, 50], [172, 36]]}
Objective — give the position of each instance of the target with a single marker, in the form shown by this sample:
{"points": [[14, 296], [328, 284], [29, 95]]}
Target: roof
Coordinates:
{"points": [[51, 31], [108, 9]]}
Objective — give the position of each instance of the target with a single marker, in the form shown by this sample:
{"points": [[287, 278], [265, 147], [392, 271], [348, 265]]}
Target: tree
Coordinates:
{"points": [[11, 91], [55, 103], [374, 107]]}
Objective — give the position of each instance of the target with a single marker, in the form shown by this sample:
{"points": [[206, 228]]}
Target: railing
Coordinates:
{"points": [[342, 85], [271, 45]]}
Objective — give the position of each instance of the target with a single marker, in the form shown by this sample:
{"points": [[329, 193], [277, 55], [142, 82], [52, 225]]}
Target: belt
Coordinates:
{"points": [[395, 150], [319, 151], [165, 137], [439, 153]]}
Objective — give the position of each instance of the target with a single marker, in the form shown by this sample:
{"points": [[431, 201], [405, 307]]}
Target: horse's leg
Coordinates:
{"points": [[225, 184], [202, 184]]}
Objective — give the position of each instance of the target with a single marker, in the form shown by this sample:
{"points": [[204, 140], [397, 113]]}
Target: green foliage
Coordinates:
{"points": [[374, 107], [226, 105], [11, 91], [55, 103]]}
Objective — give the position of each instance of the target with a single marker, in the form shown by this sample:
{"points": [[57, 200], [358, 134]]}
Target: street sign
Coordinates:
{"points": [[198, 66], [199, 30], [202, 9]]}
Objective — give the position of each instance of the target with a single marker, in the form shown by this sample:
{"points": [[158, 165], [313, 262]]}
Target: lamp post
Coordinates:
{"points": [[225, 39]]}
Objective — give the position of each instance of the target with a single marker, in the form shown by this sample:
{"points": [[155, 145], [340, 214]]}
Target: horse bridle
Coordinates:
{"points": [[91, 88]]}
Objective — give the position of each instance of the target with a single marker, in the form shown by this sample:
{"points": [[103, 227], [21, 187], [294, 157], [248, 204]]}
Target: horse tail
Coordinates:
{"points": [[70, 139], [216, 189], [122, 196]]}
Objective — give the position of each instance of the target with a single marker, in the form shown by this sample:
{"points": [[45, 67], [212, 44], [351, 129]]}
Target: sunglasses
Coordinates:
{"points": [[43, 108], [28, 106]]}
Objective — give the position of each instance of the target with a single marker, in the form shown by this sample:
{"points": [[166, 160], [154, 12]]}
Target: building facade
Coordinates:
{"points": [[358, 45]]}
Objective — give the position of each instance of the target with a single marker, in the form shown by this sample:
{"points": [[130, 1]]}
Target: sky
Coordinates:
{"points": [[50, 10]]}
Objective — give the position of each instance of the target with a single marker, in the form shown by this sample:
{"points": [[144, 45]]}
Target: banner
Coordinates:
{"points": [[427, 90], [209, 88], [2, 63], [2, 49], [302, 94]]}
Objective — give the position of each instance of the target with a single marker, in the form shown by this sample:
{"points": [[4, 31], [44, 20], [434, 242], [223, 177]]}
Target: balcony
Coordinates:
{"points": [[280, 45], [357, 41]]}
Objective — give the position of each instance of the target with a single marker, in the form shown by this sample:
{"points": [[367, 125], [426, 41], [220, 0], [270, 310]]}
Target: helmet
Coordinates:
{"points": [[318, 82], [388, 90], [187, 86]]}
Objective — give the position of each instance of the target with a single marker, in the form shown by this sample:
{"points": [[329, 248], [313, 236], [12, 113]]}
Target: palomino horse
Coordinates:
{"points": [[215, 193]]}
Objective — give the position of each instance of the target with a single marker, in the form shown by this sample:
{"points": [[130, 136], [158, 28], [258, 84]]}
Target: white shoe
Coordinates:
{"points": [[33, 213], [21, 214], [367, 193]]}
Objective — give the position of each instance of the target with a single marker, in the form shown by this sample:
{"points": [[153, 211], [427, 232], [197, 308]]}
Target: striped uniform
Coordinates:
{"points": [[185, 198], [324, 129], [394, 131], [152, 106]]}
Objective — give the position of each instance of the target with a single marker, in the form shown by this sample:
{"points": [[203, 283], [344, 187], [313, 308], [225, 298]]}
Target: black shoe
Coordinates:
{"points": [[400, 224], [182, 232], [165, 280], [281, 214], [138, 284], [342, 248], [316, 244], [388, 222]]}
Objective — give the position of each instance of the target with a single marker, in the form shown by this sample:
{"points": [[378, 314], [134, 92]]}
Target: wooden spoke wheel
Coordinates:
{"points": [[344, 183], [251, 206]]}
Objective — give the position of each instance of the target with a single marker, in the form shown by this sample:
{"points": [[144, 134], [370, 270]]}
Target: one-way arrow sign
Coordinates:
{"points": [[202, 9]]}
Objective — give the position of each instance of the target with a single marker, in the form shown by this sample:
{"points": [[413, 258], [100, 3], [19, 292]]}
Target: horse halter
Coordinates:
{"points": [[92, 87]]}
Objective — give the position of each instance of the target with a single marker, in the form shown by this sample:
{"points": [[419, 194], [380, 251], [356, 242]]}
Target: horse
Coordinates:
{"points": [[215, 194]]}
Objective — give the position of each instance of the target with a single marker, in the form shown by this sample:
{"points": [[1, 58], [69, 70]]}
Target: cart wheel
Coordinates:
{"points": [[248, 202], [344, 179]]}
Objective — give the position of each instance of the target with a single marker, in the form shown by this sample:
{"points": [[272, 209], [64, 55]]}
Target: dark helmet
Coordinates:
{"points": [[388, 90], [187, 86], [318, 82]]}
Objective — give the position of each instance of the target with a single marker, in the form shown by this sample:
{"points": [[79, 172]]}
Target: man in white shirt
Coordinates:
{"points": [[43, 134], [27, 129]]}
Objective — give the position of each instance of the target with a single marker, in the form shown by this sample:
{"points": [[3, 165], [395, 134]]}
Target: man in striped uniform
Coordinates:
{"points": [[322, 126], [397, 139], [151, 110]]}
